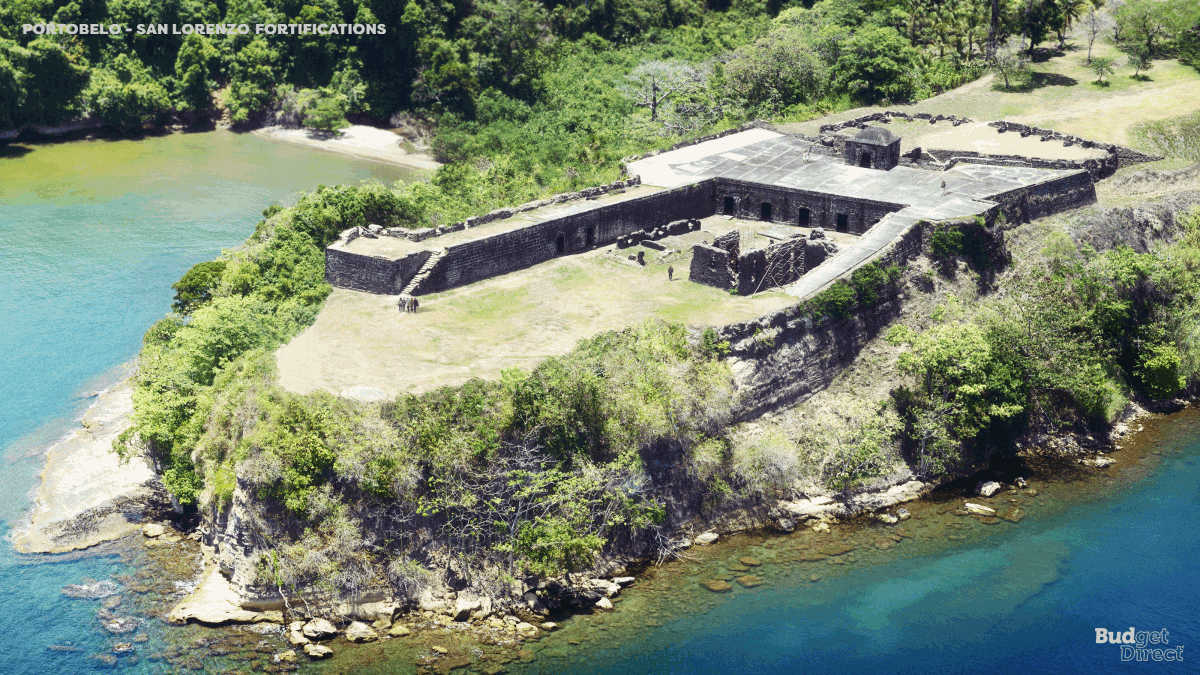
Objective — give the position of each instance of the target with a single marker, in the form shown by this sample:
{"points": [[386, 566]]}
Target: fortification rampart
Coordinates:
{"points": [[522, 247], [501, 214], [367, 273], [785, 356], [805, 208], [1048, 198]]}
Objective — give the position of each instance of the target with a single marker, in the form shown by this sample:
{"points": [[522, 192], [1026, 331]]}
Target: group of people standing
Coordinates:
{"points": [[408, 304]]}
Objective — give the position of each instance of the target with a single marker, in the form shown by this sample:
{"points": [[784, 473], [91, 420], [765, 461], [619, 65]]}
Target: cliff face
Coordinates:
{"points": [[230, 529]]}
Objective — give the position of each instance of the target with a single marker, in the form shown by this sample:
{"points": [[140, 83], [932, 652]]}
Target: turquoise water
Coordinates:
{"points": [[1023, 599], [92, 235]]}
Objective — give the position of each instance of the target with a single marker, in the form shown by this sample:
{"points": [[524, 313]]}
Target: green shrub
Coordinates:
{"points": [[835, 301]]}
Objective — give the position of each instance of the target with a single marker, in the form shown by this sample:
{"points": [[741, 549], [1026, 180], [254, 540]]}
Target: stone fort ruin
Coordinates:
{"points": [[802, 187]]}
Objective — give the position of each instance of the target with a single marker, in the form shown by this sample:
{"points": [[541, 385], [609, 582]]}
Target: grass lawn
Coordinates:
{"points": [[1064, 96], [515, 320]]}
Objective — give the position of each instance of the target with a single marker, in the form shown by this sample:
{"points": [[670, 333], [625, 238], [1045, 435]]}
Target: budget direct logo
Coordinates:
{"points": [[1136, 644]]}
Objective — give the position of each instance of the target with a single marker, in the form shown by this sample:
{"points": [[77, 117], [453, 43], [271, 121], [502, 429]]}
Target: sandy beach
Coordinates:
{"points": [[87, 496], [361, 141]]}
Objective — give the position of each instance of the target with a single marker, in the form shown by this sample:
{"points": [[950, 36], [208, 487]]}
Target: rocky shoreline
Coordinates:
{"points": [[86, 495], [445, 630]]}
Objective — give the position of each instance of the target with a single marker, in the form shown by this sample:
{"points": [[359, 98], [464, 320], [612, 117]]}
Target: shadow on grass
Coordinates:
{"points": [[1036, 81], [1141, 78], [14, 151], [1043, 54]]}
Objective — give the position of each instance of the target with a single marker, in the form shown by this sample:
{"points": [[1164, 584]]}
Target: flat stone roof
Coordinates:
{"points": [[770, 158], [778, 160]]}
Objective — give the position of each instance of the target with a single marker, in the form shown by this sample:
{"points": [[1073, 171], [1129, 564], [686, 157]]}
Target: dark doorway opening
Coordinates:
{"points": [[729, 206], [591, 237], [864, 160], [764, 213], [562, 243], [843, 222], [802, 219]]}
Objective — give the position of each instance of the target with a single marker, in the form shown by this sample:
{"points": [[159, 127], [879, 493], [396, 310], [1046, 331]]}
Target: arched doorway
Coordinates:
{"points": [[864, 160]]}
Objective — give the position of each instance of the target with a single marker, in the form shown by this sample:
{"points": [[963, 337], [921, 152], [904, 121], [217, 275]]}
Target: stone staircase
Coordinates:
{"points": [[414, 285]]}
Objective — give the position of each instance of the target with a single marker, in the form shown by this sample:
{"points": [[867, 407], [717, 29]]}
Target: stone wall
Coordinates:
{"points": [[785, 356], [1125, 156], [501, 214], [786, 205], [344, 269], [530, 245], [722, 266], [1046, 199], [940, 160], [777, 265], [712, 266]]}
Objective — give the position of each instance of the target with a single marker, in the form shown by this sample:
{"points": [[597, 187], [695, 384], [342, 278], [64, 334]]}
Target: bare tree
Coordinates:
{"points": [[1009, 62], [652, 83]]}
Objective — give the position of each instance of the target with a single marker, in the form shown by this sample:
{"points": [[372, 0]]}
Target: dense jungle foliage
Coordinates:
{"points": [[526, 98]]}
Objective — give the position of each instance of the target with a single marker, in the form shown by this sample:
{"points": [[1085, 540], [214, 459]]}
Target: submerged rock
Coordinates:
{"points": [[836, 549], [604, 603], [889, 518], [153, 530], [752, 562], [750, 580], [979, 509], [707, 538], [903, 514], [785, 524], [1013, 515], [717, 586], [120, 625]]}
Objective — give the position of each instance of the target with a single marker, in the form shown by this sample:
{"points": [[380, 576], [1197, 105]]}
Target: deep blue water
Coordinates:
{"points": [[1024, 601], [92, 235]]}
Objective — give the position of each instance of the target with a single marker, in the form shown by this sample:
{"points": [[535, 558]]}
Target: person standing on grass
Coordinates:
{"points": [[670, 273]]}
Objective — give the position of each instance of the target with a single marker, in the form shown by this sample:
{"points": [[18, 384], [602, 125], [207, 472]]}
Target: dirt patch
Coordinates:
{"points": [[979, 137]]}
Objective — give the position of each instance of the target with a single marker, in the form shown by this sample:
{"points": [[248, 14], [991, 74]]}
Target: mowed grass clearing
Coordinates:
{"points": [[1063, 96], [515, 320]]}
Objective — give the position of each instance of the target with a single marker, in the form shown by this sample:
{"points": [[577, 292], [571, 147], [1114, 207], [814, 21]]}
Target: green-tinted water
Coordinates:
{"points": [[92, 235]]}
